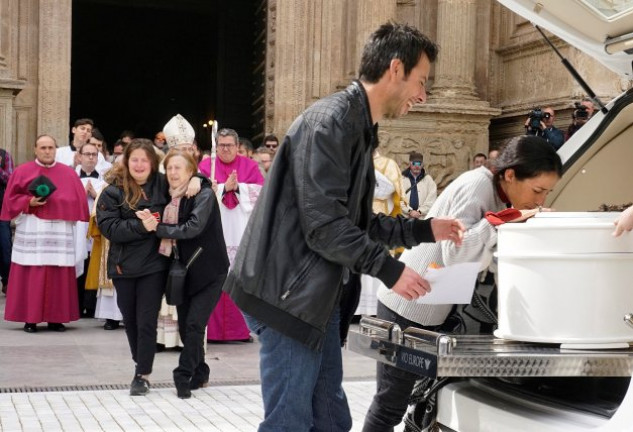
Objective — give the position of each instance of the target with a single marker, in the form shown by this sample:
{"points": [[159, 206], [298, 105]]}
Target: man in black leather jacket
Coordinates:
{"points": [[313, 225]]}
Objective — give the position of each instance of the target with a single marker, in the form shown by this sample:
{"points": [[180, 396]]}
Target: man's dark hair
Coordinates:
{"points": [[394, 41], [416, 156], [83, 121], [247, 143], [127, 133], [478, 155], [270, 137], [96, 133]]}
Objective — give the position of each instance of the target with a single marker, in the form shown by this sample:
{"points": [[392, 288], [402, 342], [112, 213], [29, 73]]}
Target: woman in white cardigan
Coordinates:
{"points": [[523, 175]]}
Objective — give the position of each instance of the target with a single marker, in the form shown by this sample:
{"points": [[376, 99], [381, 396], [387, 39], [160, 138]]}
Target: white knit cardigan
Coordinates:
{"points": [[467, 198]]}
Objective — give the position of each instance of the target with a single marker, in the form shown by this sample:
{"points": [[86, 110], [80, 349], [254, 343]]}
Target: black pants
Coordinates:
{"points": [[393, 385], [139, 300], [87, 299], [193, 316]]}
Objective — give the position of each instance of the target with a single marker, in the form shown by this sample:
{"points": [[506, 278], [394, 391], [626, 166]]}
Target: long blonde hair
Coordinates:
{"points": [[120, 176]]}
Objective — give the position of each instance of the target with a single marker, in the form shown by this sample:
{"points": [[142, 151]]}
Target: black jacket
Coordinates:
{"points": [[313, 221], [199, 224], [133, 250]]}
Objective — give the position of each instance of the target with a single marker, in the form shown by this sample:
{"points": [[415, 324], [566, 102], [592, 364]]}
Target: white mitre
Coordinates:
{"points": [[178, 131]]}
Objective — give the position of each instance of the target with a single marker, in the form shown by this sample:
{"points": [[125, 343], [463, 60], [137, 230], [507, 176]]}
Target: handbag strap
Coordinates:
{"points": [[174, 249], [195, 255]]}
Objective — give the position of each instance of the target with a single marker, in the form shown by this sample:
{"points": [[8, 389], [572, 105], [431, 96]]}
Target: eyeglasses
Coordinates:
{"points": [[271, 146], [90, 154], [416, 163], [226, 146]]}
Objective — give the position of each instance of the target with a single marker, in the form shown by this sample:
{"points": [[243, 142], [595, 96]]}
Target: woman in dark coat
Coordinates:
{"points": [[189, 223], [137, 270]]}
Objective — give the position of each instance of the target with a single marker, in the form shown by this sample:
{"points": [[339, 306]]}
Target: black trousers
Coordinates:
{"points": [[139, 300], [193, 316], [393, 385], [87, 299]]}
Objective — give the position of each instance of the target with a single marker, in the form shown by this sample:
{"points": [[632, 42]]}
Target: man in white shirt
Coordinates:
{"points": [[92, 181], [82, 132]]}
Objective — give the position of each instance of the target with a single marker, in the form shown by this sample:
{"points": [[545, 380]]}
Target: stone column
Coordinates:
{"points": [[455, 66], [371, 15], [55, 19]]}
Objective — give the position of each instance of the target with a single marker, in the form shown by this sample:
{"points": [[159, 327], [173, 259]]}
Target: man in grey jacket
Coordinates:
{"points": [[313, 226]]}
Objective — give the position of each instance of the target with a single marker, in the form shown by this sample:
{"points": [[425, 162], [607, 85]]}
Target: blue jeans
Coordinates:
{"points": [[302, 389]]}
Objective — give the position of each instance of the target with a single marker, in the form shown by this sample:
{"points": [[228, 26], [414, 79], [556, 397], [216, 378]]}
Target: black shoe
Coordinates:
{"points": [[139, 386], [183, 390], [111, 325], [58, 327], [30, 327]]}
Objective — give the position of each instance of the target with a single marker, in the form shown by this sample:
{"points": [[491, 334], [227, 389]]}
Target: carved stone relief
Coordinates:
{"points": [[445, 157]]}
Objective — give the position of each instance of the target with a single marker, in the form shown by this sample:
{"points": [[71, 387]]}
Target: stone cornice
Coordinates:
{"points": [[14, 85]]}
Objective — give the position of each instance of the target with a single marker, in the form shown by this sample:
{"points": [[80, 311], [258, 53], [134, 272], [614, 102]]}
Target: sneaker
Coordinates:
{"points": [[139, 386]]}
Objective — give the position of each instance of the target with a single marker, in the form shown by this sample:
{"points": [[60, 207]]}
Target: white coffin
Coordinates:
{"points": [[565, 280]]}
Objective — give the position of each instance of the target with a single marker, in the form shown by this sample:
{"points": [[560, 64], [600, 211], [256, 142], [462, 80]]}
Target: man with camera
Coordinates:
{"points": [[583, 111], [540, 122]]}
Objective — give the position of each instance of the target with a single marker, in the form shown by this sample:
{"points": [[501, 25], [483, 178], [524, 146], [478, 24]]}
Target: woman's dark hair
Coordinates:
{"points": [[529, 156], [394, 41], [120, 176]]}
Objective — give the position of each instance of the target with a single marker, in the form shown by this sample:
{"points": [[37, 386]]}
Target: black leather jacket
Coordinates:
{"points": [[133, 250], [199, 224], [313, 221]]}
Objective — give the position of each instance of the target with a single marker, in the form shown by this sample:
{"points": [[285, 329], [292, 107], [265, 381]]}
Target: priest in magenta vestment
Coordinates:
{"points": [[239, 183], [42, 283]]}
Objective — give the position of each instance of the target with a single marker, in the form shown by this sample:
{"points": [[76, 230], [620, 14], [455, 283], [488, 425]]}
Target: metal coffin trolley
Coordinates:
{"points": [[432, 354]]}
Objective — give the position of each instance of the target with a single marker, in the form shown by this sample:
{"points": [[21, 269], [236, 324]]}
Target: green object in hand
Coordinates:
{"points": [[42, 190]]}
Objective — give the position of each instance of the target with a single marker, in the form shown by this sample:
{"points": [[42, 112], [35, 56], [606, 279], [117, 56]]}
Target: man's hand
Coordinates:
{"points": [[231, 182], [214, 186], [90, 190], [35, 202], [411, 285], [414, 214], [448, 229], [624, 222], [76, 159]]}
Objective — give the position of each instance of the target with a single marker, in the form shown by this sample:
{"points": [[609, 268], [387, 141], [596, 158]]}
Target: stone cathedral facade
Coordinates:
{"points": [[492, 70]]}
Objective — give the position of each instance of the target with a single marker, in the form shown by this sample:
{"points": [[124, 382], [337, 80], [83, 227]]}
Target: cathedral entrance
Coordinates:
{"points": [[135, 64]]}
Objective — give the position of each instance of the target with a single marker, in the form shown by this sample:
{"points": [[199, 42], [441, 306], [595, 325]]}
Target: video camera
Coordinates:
{"points": [[536, 117], [581, 112]]}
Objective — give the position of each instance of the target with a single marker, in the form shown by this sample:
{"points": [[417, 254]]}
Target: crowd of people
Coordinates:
{"points": [[540, 122], [96, 229], [275, 249]]}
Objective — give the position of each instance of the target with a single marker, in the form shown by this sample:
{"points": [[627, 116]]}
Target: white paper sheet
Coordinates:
{"points": [[452, 284]]}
